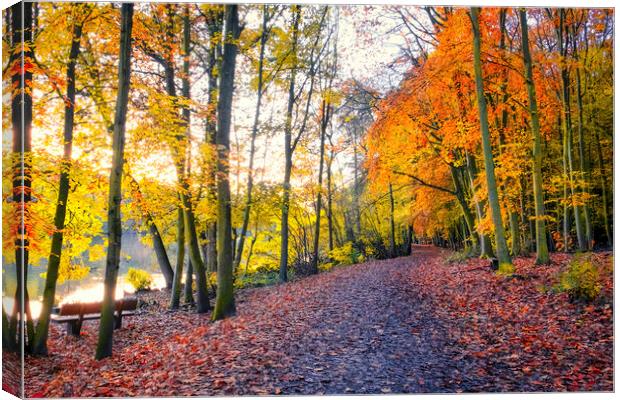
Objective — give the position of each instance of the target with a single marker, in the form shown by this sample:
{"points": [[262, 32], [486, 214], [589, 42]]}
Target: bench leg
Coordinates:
{"points": [[74, 328], [118, 321]]}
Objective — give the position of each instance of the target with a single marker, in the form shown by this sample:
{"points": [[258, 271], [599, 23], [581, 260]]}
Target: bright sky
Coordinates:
{"points": [[364, 51]]}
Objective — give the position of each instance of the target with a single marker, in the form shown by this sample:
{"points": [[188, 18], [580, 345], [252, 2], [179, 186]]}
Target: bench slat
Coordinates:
{"points": [[61, 319]]}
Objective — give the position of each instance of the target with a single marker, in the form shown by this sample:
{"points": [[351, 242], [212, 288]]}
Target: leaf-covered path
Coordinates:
{"points": [[413, 324]]}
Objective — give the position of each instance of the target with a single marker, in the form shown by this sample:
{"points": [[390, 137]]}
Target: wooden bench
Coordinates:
{"points": [[73, 314]]}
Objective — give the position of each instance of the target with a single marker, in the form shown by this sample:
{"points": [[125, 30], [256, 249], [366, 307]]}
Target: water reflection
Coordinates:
{"points": [[134, 254]]}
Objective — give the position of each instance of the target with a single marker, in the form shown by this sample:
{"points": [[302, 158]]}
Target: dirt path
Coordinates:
{"points": [[368, 328]]}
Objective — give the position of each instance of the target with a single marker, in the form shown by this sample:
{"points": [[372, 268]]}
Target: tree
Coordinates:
{"points": [[542, 253], [106, 325], [259, 96], [224, 301], [288, 147], [500, 239], [39, 345], [202, 303]]}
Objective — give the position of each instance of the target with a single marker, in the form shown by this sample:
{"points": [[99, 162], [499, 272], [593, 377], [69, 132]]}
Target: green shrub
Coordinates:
{"points": [[580, 280], [325, 267], [257, 279], [345, 255], [457, 257], [139, 279]]}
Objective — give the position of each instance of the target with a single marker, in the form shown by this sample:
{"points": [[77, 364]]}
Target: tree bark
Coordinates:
{"points": [[224, 301], [489, 167], [288, 152], [542, 252], [39, 345], [189, 220], [106, 325], [175, 296], [250, 184], [325, 115], [392, 233], [330, 216]]}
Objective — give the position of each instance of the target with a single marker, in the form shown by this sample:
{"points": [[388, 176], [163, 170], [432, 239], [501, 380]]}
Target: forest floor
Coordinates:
{"points": [[407, 325]]}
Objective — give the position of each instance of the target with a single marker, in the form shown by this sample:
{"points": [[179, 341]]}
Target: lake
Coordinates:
{"points": [[134, 254]]}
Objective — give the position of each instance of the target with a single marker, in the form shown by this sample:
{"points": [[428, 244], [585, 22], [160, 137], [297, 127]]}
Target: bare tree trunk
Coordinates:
{"points": [[250, 184], [542, 252], [489, 167], [106, 325], [178, 271], [330, 217], [392, 234], [288, 153], [188, 288], [225, 301], [189, 221], [485, 242], [39, 345], [215, 30], [325, 115], [604, 185]]}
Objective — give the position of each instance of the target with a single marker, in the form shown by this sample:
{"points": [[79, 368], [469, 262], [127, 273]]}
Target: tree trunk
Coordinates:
{"points": [[158, 243], [106, 325], [189, 221], [542, 252], [489, 167], [583, 165], [225, 302], [188, 290], [568, 129], [39, 345], [250, 184], [603, 173], [325, 115], [175, 296], [486, 250], [392, 233], [330, 216], [215, 30], [288, 153]]}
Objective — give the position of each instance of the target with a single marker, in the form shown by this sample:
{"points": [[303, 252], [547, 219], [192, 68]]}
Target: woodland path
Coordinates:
{"points": [[403, 325]]}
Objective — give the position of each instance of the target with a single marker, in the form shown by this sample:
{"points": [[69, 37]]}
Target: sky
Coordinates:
{"points": [[364, 51]]}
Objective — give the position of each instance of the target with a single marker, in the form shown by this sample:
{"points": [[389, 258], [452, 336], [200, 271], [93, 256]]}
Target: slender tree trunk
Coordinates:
{"points": [[325, 115], [583, 165], [178, 271], [542, 252], [225, 301], [215, 30], [106, 325], [356, 186], [39, 345], [568, 129], [467, 215], [158, 243], [288, 153], [486, 250], [250, 184], [330, 217], [188, 288], [392, 233], [489, 167], [189, 221], [604, 185]]}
